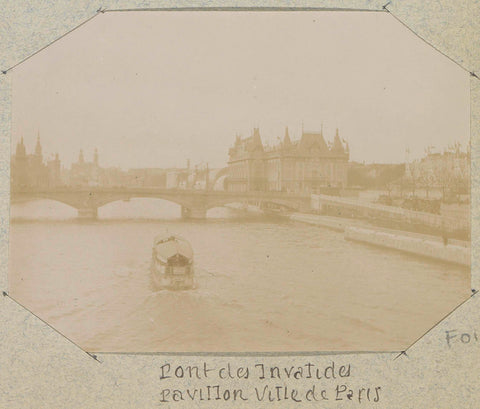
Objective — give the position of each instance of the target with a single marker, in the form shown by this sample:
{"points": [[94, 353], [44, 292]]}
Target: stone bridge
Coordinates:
{"points": [[194, 203]]}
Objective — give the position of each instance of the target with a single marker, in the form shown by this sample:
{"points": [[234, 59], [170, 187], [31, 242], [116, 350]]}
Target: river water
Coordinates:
{"points": [[262, 284]]}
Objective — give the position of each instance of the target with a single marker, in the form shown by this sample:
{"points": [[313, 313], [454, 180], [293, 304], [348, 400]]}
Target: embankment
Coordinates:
{"points": [[451, 253], [428, 246]]}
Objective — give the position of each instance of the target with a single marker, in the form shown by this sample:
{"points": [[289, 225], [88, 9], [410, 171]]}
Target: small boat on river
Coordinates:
{"points": [[172, 263]]}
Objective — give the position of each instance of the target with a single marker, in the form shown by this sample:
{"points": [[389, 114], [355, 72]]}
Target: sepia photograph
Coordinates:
{"points": [[240, 181]]}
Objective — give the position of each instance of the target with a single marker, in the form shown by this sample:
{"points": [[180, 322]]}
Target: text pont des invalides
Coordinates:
{"points": [[263, 383]]}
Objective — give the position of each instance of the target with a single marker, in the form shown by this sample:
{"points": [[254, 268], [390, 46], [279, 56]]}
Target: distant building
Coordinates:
{"points": [[374, 175], [177, 178], [112, 177], [30, 170], [54, 171], [146, 177], [448, 172], [84, 173], [304, 166]]}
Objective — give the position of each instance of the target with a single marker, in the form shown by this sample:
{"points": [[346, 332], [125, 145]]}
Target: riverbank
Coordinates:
{"points": [[454, 223], [455, 251]]}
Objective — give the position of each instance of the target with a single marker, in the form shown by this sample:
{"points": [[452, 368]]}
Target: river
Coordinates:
{"points": [[261, 284]]}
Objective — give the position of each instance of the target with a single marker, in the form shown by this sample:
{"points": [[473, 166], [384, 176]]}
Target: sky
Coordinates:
{"points": [[153, 89]]}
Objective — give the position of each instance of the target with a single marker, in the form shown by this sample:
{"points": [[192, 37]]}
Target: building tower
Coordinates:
{"points": [[20, 151], [287, 143], [19, 176], [337, 144], [37, 156], [95, 158], [54, 171], [38, 171], [38, 147]]}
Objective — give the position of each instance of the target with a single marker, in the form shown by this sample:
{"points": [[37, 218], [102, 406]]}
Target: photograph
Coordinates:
{"points": [[240, 182]]}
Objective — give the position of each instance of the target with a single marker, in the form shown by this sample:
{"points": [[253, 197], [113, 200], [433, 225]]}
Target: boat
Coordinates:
{"points": [[172, 263]]}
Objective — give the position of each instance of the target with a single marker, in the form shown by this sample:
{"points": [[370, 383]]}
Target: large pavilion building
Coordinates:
{"points": [[308, 165]]}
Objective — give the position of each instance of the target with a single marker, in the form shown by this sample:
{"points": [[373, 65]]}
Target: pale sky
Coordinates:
{"points": [[151, 89]]}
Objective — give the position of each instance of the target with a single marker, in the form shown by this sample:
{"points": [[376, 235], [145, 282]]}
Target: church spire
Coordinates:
{"points": [[38, 146], [286, 139], [256, 136], [95, 157], [337, 144], [81, 159], [320, 137], [20, 151]]}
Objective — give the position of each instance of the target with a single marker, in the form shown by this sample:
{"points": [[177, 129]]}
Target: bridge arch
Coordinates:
{"points": [[42, 208], [88, 202], [41, 196], [166, 198], [218, 175], [140, 208]]}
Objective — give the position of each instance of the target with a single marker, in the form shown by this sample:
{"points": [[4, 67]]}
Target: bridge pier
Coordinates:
{"points": [[87, 213], [194, 213]]}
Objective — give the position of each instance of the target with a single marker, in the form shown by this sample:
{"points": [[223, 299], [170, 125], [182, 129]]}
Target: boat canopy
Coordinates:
{"points": [[170, 246]]}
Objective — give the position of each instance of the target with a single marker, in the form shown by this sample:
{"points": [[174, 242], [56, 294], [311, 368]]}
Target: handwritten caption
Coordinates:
{"points": [[263, 383], [454, 337]]}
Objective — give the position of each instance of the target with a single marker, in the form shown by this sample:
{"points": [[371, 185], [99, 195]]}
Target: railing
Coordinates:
{"points": [[406, 215]]}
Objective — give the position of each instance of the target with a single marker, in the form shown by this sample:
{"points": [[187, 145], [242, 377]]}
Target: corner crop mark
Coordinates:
{"points": [[472, 73], [93, 356], [99, 11], [474, 292]]}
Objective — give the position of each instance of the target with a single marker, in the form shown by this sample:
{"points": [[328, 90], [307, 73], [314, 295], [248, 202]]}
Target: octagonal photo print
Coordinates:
{"points": [[234, 181]]}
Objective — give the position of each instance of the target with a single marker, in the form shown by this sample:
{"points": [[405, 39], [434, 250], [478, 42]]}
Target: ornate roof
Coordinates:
{"points": [[310, 144]]}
